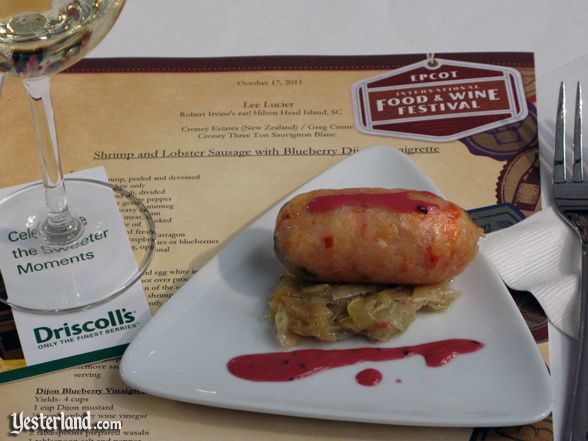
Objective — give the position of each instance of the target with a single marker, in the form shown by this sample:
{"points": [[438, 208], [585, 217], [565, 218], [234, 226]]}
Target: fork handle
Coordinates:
{"points": [[576, 421]]}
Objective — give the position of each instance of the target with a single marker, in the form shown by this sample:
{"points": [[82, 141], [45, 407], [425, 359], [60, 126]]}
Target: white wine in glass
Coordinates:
{"points": [[39, 38]]}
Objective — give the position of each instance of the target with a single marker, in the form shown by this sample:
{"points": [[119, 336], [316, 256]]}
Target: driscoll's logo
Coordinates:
{"points": [[118, 317]]}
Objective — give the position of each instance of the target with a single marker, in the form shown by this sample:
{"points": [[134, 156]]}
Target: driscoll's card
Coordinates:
{"points": [[33, 343]]}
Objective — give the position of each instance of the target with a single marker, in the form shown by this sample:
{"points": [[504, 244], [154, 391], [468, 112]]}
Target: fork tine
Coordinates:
{"points": [[559, 157], [578, 172]]}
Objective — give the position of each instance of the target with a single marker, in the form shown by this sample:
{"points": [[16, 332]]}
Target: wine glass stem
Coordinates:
{"points": [[60, 227]]}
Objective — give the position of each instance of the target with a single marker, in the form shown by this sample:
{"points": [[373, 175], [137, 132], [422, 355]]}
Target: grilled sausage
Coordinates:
{"points": [[374, 235]]}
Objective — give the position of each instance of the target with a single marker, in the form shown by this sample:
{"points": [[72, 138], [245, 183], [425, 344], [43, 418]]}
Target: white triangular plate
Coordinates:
{"points": [[183, 350]]}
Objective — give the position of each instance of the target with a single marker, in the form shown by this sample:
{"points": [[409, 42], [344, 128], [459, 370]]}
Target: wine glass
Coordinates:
{"points": [[85, 266]]}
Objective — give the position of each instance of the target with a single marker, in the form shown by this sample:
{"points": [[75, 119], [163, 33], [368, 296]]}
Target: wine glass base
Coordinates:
{"points": [[60, 235], [95, 268]]}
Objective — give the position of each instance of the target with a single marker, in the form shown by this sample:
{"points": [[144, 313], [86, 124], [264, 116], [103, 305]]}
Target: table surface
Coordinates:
{"points": [[554, 31], [556, 34]]}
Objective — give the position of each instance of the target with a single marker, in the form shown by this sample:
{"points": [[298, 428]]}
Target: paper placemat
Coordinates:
{"points": [[209, 144]]}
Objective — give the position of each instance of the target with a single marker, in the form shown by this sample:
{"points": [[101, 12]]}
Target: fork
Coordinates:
{"points": [[571, 201]]}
